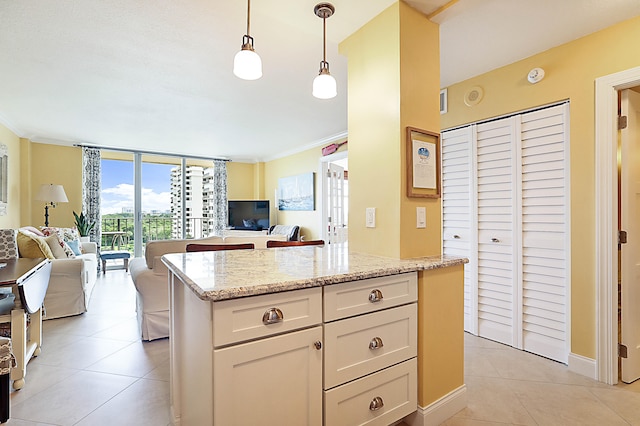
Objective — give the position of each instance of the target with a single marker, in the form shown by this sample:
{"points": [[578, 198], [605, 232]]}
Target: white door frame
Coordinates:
{"points": [[606, 244], [324, 190]]}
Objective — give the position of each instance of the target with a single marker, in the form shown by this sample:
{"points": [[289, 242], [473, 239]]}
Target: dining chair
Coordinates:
{"points": [[272, 243], [193, 247]]}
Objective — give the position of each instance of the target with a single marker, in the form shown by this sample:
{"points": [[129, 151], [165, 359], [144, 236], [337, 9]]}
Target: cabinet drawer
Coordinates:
{"points": [[353, 403], [241, 319], [348, 352], [353, 298]]}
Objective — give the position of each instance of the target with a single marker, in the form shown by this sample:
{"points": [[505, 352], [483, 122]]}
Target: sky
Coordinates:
{"points": [[117, 186]]}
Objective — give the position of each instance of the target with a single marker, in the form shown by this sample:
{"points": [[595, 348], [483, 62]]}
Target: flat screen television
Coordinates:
{"points": [[250, 215]]}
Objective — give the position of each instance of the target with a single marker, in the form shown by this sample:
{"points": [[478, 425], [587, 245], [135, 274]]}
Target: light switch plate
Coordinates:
{"points": [[371, 217], [421, 217]]}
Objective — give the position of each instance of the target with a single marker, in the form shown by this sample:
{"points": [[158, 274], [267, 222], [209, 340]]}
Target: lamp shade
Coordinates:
{"points": [[324, 86], [247, 64], [52, 194]]}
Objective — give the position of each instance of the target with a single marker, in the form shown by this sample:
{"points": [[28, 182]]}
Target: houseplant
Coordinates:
{"points": [[83, 224]]}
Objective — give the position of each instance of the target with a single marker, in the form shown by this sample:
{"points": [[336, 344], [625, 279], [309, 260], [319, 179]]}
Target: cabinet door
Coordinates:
{"points": [[277, 380], [459, 236]]}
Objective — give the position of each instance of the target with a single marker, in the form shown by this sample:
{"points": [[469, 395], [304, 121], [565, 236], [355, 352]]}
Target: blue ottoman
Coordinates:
{"points": [[115, 254]]}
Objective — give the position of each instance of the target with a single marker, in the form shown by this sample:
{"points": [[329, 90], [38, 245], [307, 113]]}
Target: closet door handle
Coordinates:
{"points": [[456, 236], [495, 240]]}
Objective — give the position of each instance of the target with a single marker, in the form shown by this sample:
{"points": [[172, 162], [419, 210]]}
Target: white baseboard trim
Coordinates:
{"points": [[583, 365], [440, 410]]}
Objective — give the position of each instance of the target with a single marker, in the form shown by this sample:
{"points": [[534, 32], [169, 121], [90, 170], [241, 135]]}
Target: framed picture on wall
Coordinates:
{"points": [[423, 163], [297, 192]]}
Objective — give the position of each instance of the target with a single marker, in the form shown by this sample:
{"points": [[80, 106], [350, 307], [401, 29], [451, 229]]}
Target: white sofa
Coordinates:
{"points": [[150, 277], [71, 283]]}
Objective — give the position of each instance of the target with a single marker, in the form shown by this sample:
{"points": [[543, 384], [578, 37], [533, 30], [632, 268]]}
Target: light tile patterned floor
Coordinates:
{"points": [[511, 387], [95, 371]]}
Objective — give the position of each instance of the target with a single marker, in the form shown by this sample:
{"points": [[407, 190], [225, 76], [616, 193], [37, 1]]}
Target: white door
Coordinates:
{"points": [[458, 212], [630, 215], [335, 227], [498, 289], [545, 246]]}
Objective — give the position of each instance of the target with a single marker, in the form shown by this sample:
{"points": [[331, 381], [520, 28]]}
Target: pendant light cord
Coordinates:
{"points": [[324, 39], [248, 15]]}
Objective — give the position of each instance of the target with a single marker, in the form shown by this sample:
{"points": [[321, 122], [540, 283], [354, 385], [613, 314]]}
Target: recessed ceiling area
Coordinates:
{"points": [[157, 75]]}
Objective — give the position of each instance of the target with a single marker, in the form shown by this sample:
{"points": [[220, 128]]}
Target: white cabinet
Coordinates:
{"points": [[343, 354], [505, 198], [370, 334], [277, 380], [267, 363]]}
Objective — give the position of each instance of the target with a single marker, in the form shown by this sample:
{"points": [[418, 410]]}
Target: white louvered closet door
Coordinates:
{"points": [[458, 211], [545, 244], [498, 292], [516, 232]]}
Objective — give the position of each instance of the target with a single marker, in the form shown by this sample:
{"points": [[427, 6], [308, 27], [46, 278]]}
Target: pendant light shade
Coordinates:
{"points": [[324, 85], [247, 64]]}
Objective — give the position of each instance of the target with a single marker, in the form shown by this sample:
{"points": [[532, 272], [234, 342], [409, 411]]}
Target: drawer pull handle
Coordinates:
{"points": [[272, 316], [375, 296], [495, 240], [375, 343], [318, 345], [456, 236], [376, 404]]}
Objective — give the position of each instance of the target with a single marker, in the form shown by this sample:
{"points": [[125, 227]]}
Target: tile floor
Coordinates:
{"points": [[95, 371], [510, 387]]}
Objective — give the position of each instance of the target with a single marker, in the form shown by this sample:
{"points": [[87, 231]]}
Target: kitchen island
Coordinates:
{"points": [[306, 335]]}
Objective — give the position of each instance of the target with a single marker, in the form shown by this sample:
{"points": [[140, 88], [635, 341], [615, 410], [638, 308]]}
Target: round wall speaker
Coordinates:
{"points": [[473, 96]]}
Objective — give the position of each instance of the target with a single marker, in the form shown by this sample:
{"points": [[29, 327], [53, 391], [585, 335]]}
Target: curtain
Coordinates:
{"points": [[91, 191], [218, 211]]}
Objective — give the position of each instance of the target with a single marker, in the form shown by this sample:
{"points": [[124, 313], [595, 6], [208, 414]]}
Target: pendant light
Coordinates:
{"points": [[247, 64], [324, 85]]}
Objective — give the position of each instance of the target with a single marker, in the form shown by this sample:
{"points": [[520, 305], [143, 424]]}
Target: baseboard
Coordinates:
{"points": [[440, 410], [583, 365]]}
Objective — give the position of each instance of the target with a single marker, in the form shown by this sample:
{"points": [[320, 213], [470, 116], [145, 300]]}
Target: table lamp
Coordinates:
{"points": [[51, 194]]}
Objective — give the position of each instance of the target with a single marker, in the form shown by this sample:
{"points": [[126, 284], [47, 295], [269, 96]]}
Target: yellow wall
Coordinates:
{"points": [[441, 341], [303, 162], [240, 181], [419, 107], [373, 54], [570, 73], [60, 165], [12, 218], [393, 83]]}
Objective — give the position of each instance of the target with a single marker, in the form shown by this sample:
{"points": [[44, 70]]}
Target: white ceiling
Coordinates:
{"points": [[156, 74]]}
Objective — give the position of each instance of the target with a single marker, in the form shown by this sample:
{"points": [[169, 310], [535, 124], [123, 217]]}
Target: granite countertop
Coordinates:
{"points": [[223, 275]]}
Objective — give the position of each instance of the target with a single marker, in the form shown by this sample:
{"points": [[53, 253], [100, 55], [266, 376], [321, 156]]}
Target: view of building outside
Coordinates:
{"points": [[161, 202]]}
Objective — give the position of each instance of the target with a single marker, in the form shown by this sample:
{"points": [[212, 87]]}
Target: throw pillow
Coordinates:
{"points": [[33, 246], [53, 241], [8, 247], [75, 247], [65, 235], [33, 229]]}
